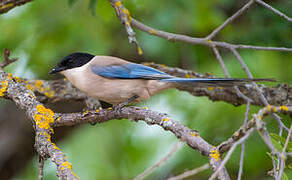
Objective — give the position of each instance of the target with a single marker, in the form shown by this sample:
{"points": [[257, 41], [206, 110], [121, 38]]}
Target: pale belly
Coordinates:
{"points": [[115, 91]]}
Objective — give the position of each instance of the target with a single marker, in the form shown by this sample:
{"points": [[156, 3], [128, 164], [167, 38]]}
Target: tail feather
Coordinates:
{"points": [[207, 82]]}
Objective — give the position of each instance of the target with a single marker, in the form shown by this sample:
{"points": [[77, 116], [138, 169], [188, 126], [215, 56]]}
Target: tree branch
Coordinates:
{"points": [[124, 15], [268, 110], [42, 118], [283, 154], [274, 10], [182, 132], [161, 161], [243, 143], [229, 20], [200, 41], [189, 173], [7, 5], [215, 174]]}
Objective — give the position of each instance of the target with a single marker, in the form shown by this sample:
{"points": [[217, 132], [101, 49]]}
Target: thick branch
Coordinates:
{"points": [[182, 132], [41, 118]]}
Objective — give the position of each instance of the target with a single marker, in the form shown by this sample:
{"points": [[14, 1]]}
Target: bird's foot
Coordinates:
{"points": [[89, 111], [92, 103], [118, 107]]}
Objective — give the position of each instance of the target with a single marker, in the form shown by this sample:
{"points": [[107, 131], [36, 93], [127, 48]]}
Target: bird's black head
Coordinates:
{"points": [[73, 60]]}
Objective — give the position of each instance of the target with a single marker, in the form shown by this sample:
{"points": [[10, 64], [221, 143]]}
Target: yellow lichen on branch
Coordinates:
{"points": [[269, 107], [215, 154], [38, 85], [44, 117], [66, 164], [153, 31], [118, 3], [9, 5], [3, 89], [166, 119], [188, 75], [284, 108]]}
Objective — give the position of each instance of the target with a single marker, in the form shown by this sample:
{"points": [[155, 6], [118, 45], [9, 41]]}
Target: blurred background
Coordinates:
{"points": [[41, 32]]}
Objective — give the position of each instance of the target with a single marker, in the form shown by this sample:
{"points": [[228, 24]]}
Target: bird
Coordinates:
{"points": [[115, 80]]}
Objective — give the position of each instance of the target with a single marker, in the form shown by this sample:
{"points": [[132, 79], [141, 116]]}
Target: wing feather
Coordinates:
{"points": [[129, 71]]}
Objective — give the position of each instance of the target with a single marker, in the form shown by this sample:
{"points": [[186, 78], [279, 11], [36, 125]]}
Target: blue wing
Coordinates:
{"points": [[129, 71], [138, 71]]}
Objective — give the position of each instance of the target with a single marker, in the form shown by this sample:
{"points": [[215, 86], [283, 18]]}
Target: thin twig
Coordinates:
{"points": [[190, 172], [267, 139], [243, 143], [161, 161], [41, 168], [219, 58], [214, 175], [125, 18], [199, 41], [229, 20], [274, 10], [283, 154], [262, 97]]}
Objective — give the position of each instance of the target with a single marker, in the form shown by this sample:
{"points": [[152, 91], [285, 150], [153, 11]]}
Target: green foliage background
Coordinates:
{"points": [[42, 32]]}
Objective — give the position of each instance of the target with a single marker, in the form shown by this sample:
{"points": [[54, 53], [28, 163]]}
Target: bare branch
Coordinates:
{"points": [[283, 155], [200, 41], [248, 133], [42, 118], [274, 10], [238, 92], [7, 5], [190, 172], [183, 133], [41, 168], [125, 18], [262, 97], [161, 161], [268, 110], [243, 143], [229, 20]]}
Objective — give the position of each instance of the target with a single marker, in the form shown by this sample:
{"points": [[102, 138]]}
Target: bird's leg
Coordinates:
{"points": [[91, 104], [123, 104]]}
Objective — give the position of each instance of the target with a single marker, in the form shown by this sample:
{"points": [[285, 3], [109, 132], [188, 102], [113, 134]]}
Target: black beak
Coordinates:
{"points": [[56, 69]]}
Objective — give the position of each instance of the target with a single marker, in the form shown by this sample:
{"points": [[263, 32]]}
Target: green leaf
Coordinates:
{"points": [[92, 6], [289, 166]]}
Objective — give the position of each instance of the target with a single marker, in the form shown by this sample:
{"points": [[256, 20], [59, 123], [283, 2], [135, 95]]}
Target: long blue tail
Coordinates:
{"points": [[206, 82]]}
